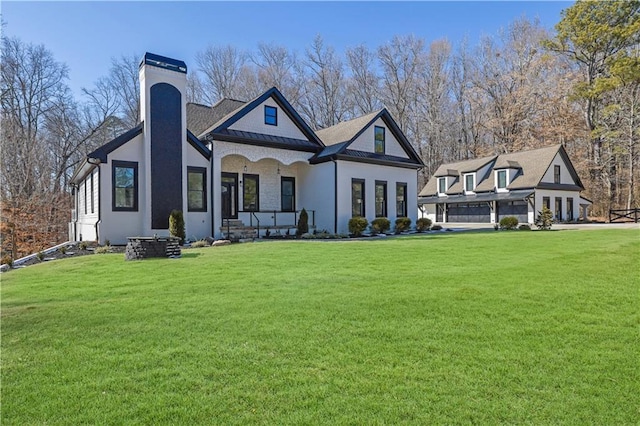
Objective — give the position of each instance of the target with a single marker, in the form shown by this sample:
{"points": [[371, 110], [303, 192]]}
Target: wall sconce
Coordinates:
{"points": [[245, 167], [278, 171]]}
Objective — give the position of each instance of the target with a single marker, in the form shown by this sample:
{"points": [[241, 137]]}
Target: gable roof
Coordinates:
{"points": [[102, 152], [337, 139], [201, 117], [220, 130]]}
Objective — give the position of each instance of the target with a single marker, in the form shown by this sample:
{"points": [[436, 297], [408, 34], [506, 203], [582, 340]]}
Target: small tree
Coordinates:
{"points": [[402, 224], [357, 225], [380, 225], [176, 225], [303, 223], [423, 224], [544, 219]]}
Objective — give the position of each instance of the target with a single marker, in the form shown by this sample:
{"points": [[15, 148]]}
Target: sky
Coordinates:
{"points": [[85, 35]]}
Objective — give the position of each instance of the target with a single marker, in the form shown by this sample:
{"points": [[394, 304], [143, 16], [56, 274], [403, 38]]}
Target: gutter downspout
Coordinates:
{"points": [[96, 162], [74, 220], [211, 193], [335, 196]]}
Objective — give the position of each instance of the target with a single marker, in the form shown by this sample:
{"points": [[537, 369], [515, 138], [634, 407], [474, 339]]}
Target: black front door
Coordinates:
{"points": [[229, 201]]}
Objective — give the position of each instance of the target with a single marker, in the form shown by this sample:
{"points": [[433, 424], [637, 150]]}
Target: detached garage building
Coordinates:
{"points": [[485, 190]]}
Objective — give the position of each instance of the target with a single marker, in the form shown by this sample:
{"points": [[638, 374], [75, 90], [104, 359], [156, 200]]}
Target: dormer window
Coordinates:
{"points": [[442, 185], [469, 182], [270, 115], [501, 179], [379, 140]]}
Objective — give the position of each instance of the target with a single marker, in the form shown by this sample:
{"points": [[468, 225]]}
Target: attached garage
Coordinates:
{"points": [[517, 208], [469, 213]]}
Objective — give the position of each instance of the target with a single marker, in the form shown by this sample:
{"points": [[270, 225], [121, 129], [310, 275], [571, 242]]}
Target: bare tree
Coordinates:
{"points": [[125, 83], [222, 68], [364, 84]]}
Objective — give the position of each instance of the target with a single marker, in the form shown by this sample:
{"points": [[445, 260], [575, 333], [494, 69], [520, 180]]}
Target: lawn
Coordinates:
{"points": [[483, 328]]}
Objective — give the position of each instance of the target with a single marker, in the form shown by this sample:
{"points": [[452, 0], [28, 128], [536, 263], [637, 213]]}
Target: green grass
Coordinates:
{"points": [[483, 328]]}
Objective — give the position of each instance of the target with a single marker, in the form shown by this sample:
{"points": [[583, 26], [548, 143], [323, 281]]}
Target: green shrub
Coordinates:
{"points": [[402, 224], [303, 223], [103, 250], [7, 260], [524, 227], [40, 256], [544, 219], [63, 249], [436, 228], [82, 245], [423, 224], [200, 243], [107, 242], [509, 222], [176, 225], [357, 225], [380, 225]]}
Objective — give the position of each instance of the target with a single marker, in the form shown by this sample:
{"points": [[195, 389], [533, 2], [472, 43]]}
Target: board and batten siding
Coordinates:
{"points": [[86, 224], [565, 176], [366, 141], [253, 121]]}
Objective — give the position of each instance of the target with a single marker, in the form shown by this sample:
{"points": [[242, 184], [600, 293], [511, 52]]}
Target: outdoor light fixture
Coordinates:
{"points": [[278, 171], [245, 167]]}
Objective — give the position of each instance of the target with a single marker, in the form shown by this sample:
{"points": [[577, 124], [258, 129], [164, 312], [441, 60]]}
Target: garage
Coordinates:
{"points": [[469, 213], [517, 208]]}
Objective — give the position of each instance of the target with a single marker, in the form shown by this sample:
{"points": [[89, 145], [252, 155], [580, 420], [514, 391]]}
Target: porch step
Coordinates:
{"points": [[238, 232], [232, 223]]}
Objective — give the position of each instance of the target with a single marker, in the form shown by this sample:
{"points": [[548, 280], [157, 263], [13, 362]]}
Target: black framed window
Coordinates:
{"points": [[442, 185], [401, 199], [251, 192], [502, 179], [270, 115], [124, 181], [381, 198], [556, 174], [558, 208], [196, 189], [379, 139], [357, 197], [569, 208], [546, 202], [469, 182], [288, 194]]}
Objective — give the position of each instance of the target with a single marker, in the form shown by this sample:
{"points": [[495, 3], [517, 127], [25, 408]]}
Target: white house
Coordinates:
{"points": [[238, 165], [517, 184]]}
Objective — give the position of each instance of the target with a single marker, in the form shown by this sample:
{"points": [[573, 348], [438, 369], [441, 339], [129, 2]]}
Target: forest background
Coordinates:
{"points": [[521, 89]]}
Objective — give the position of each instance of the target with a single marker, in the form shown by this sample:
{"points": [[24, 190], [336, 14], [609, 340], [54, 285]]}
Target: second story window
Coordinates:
{"points": [[379, 140], [469, 182], [502, 179], [442, 185], [270, 115], [556, 174]]}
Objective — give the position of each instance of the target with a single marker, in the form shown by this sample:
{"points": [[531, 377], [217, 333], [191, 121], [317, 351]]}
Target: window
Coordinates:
{"points": [[91, 193], [196, 189], [442, 185], [558, 215], [401, 199], [250, 199], [556, 174], [469, 182], [569, 208], [381, 199], [270, 115], [357, 197], [125, 186], [379, 140], [546, 202], [288, 194], [502, 179]]}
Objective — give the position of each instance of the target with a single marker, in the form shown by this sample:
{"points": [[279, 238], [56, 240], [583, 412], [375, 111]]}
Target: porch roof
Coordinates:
{"points": [[475, 198], [260, 139]]}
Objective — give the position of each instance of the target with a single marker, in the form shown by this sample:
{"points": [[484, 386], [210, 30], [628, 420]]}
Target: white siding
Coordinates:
{"points": [[316, 192], [565, 177], [254, 122], [197, 224], [366, 141], [552, 194]]}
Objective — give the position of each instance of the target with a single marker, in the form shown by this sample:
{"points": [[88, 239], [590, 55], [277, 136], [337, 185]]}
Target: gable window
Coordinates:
{"points": [[379, 139], [251, 186], [124, 175], [270, 115], [442, 185], [288, 194], [556, 174], [357, 197], [502, 179], [381, 199], [401, 199], [469, 182], [196, 189]]}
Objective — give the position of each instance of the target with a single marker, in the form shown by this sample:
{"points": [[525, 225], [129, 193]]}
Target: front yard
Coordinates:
{"points": [[491, 327]]}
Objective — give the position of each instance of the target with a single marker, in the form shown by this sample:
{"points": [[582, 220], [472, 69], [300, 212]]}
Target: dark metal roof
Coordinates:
{"points": [[475, 198], [337, 152], [102, 152], [164, 62], [261, 139], [198, 145]]}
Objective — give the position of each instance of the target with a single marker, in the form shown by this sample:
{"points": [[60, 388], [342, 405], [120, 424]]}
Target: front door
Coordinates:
{"points": [[229, 191]]}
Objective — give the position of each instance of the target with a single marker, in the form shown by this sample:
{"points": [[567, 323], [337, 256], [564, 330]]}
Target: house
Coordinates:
{"points": [[484, 190], [238, 165]]}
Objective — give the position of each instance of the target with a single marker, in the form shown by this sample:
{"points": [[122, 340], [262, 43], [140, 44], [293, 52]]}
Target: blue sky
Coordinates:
{"points": [[86, 35]]}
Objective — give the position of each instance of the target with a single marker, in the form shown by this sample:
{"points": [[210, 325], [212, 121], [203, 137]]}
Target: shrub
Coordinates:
{"points": [[524, 227], [436, 228], [82, 245], [544, 219], [7, 260], [303, 223], [380, 225], [40, 256], [63, 249], [103, 250], [423, 224], [357, 225], [107, 242], [402, 224], [176, 225], [200, 243], [509, 222]]}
